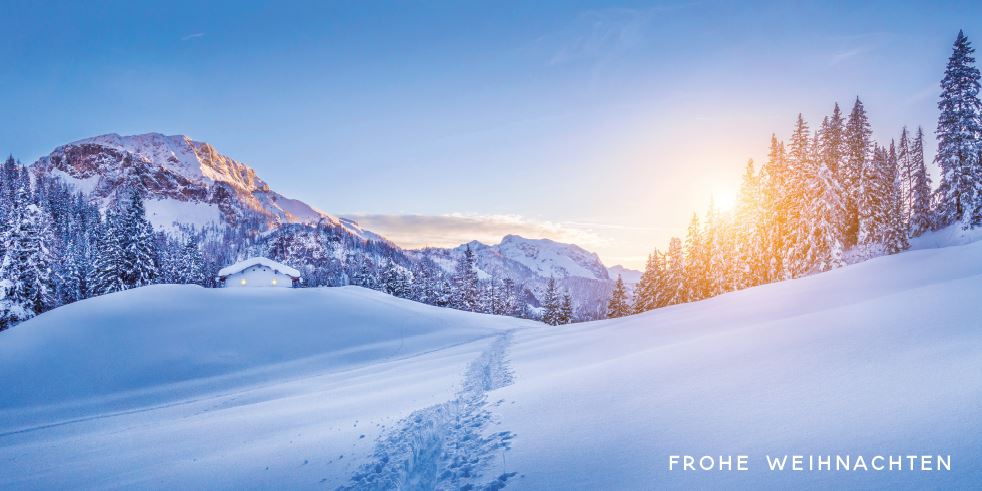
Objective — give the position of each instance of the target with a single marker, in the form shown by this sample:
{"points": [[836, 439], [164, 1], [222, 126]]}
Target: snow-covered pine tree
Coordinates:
{"points": [[773, 182], [920, 192], [466, 292], [674, 284], [696, 263], [140, 264], [905, 172], [618, 305], [29, 280], [795, 203], [108, 266], [551, 304], [859, 145], [713, 249], [509, 304], [875, 204], [749, 254], [646, 290], [365, 276], [824, 218], [895, 233], [394, 281], [566, 310], [192, 265], [959, 195]]}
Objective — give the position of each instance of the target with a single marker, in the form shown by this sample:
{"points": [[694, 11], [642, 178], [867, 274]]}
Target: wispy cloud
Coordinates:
{"points": [[449, 230], [193, 36], [855, 45], [598, 34], [850, 53]]}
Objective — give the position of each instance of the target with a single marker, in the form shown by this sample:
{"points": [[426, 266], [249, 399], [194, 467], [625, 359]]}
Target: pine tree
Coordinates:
{"points": [[509, 305], [566, 309], [960, 140], [880, 224], [107, 271], [895, 232], [618, 306], [192, 267], [646, 291], [824, 218], [696, 263], [26, 266], [920, 189], [905, 172], [714, 253], [466, 294], [365, 277], [551, 304], [772, 229], [674, 284], [393, 281], [139, 259], [859, 145], [749, 246]]}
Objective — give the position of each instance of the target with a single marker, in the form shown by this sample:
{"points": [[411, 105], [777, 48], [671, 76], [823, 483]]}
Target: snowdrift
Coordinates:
{"points": [[180, 387], [153, 344]]}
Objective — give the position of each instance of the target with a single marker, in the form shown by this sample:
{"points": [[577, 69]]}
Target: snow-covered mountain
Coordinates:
{"points": [[346, 387], [186, 182], [190, 183], [532, 262]]}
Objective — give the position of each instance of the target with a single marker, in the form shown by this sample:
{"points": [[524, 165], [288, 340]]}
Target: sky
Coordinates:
{"points": [[435, 123]]}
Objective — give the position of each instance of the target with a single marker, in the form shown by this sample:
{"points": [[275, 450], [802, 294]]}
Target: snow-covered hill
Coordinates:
{"points": [[181, 387], [187, 181]]}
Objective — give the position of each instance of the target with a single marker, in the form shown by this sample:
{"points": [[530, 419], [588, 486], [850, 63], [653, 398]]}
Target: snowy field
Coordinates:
{"points": [[186, 388]]}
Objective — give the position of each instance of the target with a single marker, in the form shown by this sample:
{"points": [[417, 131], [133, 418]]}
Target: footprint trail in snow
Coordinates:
{"points": [[445, 447]]}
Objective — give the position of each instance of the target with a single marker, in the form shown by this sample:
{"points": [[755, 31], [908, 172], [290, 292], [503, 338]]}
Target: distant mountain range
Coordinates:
{"points": [[189, 183]]}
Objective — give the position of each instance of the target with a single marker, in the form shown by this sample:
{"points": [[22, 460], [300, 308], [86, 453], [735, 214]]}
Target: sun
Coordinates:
{"points": [[725, 200]]}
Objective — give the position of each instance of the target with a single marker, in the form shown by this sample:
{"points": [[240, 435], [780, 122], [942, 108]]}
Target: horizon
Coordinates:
{"points": [[603, 125]]}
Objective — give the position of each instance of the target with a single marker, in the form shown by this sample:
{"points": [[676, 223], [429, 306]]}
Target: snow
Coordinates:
{"points": [[182, 387], [253, 261], [85, 185], [167, 213]]}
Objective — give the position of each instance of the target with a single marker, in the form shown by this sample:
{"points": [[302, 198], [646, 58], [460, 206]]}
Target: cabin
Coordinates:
{"points": [[259, 272]]}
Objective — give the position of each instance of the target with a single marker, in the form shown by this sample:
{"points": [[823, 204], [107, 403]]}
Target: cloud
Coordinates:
{"points": [[600, 33], [450, 230], [854, 45], [850, 53], [193, 36], [597, 33]]}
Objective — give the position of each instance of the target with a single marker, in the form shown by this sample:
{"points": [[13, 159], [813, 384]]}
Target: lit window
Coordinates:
{"points": [[274, 281], [242, 281]]}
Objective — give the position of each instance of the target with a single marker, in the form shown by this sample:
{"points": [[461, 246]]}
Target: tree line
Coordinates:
{"points": [[826, 198]]}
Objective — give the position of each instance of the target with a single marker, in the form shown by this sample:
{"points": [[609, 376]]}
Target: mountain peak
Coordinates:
{"points": [[190, 179]]}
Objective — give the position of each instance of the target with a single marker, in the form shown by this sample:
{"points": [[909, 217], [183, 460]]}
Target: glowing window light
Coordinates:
{"points": [[242, 281], [274, 282]]}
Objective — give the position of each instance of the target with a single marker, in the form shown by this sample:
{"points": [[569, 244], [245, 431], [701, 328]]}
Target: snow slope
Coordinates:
{"points": [[179, 387]]}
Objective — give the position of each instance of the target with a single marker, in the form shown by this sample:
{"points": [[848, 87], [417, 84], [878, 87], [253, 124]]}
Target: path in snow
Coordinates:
{"points": [[444, 446]]}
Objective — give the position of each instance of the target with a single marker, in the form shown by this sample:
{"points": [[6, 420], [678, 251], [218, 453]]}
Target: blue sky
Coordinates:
{"points": [[439, 122]]}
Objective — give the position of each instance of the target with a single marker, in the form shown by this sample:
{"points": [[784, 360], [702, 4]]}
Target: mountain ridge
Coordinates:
{"points": [[189, 183]]}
